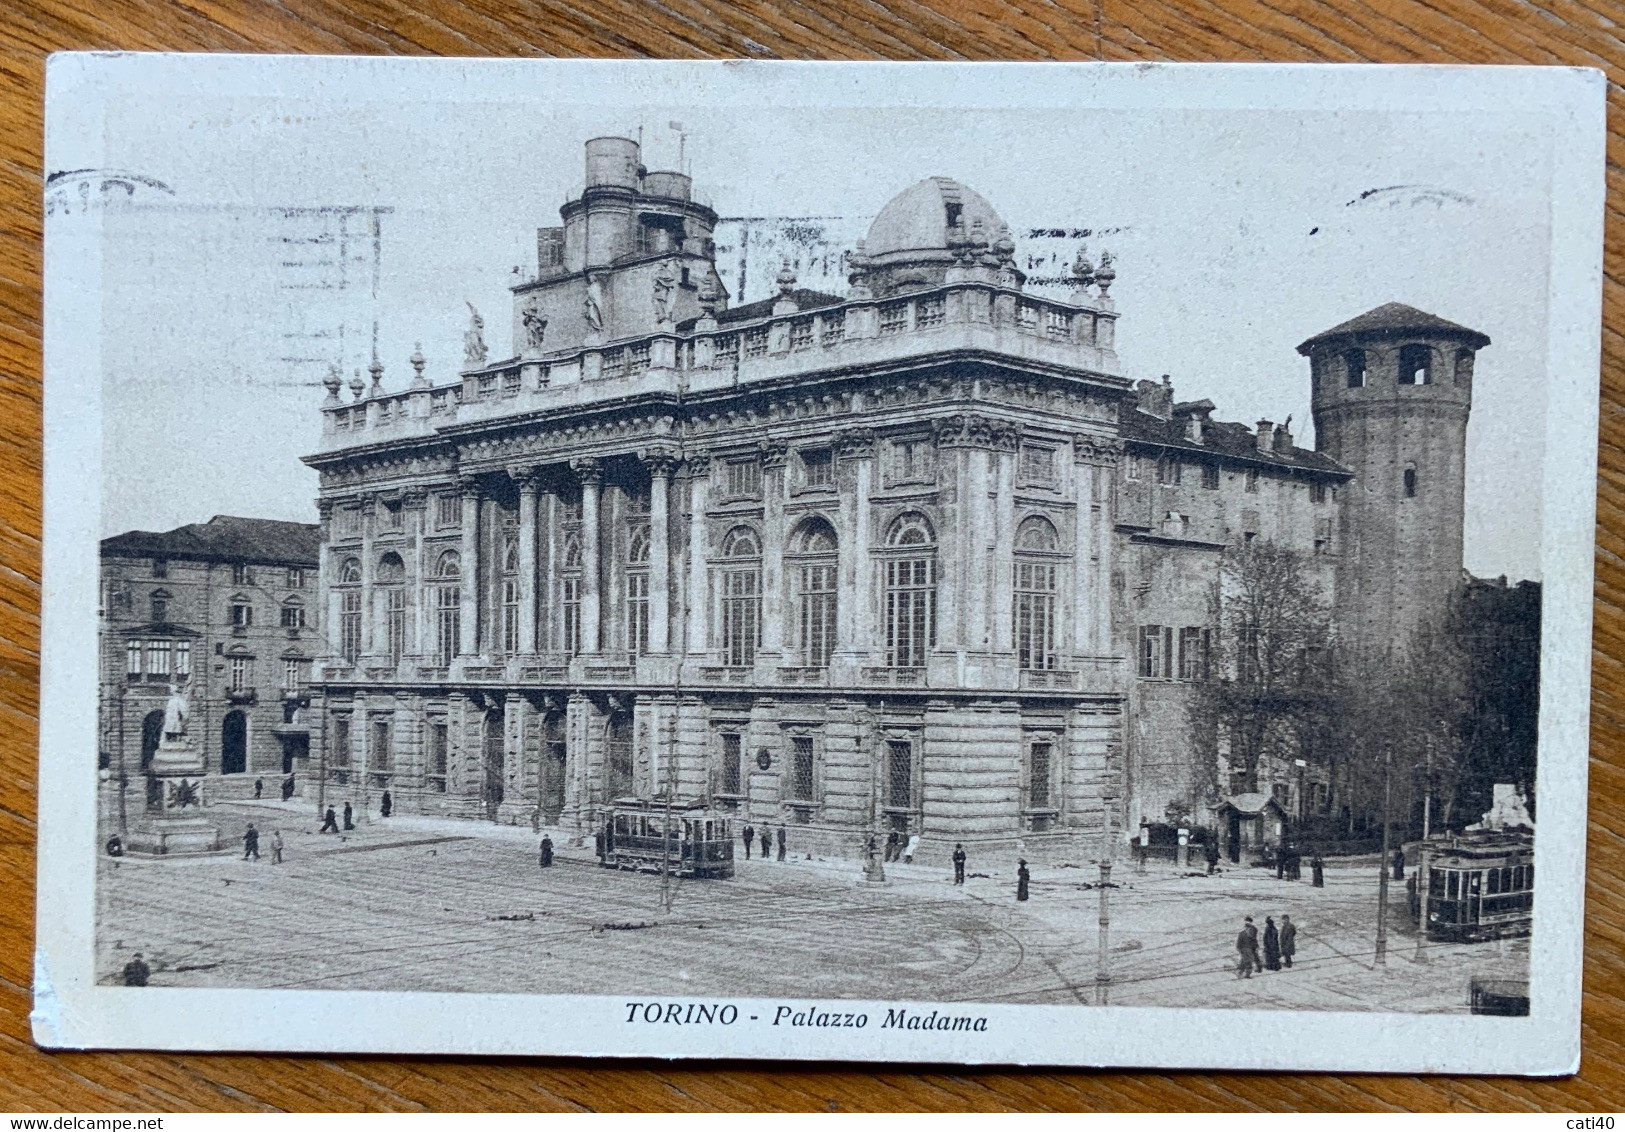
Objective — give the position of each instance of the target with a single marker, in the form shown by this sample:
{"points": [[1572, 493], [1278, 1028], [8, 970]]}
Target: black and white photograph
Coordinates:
{"points": [[1042, 564]]}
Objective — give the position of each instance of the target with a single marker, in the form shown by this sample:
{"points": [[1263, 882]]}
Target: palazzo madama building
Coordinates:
{"points": [[918, 557]]}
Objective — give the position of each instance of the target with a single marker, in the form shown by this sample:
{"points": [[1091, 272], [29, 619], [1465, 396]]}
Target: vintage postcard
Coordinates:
{"points": [[1047, 564]]}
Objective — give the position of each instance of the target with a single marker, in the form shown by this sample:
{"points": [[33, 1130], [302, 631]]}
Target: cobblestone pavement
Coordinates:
{"points": [[425, 904]]}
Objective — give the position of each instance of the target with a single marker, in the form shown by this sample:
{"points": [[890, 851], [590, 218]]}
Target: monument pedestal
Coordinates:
{"points": [[178, 827]]}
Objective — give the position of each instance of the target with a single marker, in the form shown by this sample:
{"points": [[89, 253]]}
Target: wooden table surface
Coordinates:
{"points": [[1573, 32]]}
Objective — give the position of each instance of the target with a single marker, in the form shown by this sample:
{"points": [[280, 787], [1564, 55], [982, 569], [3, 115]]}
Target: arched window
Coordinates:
{"points": [[1354, 367], [350, 610], [816, 563], [637, 591], [911, 591], [570, 595], [448, 571], [741, 597], [1415, 365], [392, 578], [1034, 588], [350, 572], [510, 594], [618, 741]]}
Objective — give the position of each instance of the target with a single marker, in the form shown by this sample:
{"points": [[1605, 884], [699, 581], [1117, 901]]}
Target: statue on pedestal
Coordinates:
{"points": [[178, 825]]}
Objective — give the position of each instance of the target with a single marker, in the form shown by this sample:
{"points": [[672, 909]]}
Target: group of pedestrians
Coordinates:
{"points": [[765, 838], [1279, 946], [251, 845]]}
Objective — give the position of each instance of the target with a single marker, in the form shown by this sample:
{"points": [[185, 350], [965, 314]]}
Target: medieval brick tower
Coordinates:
{"points": [[1391, 393]]}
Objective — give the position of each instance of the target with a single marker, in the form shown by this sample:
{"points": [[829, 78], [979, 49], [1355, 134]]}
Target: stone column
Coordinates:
{"points": [[327, 597], [469, 588], [660, 465], [1001, 589], [416, 506], [1096, 467], [547, 616], [773, 590], [591, 472], [856, 619], [369, 615], [699, 593], [526, 478]]}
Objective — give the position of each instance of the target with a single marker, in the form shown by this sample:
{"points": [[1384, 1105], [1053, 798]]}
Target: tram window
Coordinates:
{"points": [[1453, 889], [1474, 881], [1518, 878], [1495, 882], [1436, 882], [1531, 872]]}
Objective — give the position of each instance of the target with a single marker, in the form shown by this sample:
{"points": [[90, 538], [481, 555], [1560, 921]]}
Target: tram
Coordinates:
{"points": [[645, 835], [1481, 885]]}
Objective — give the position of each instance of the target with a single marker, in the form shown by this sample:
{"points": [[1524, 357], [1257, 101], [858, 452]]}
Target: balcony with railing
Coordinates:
{"points": [[855, 334]]}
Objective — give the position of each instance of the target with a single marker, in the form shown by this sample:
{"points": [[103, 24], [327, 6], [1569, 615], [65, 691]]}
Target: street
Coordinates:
{"points": [[412, 903]]}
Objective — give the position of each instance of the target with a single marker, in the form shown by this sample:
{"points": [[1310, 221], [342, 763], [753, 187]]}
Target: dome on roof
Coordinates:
{"points": [[918, 218]]}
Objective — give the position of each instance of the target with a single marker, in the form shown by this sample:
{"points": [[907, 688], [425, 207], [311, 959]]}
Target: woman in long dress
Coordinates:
{"points": [[1272, 945]]}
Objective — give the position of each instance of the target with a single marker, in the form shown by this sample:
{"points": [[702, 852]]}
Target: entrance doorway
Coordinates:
{"points": [[554, 753], [1233, 838], [495, 727], [294, 747], [234, 743]]}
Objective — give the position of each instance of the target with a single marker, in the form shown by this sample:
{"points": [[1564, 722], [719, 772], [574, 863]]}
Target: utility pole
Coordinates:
{"points": [[1103, 974], [1382, 869], [123, 777], [874, 872], [665, 836]]}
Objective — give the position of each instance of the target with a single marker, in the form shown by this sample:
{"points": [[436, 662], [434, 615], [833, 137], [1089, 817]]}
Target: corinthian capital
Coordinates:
{"points": [[588, 469]]}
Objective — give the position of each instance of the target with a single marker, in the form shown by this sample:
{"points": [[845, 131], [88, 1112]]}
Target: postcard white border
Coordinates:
{"points": [[71, 1011]]}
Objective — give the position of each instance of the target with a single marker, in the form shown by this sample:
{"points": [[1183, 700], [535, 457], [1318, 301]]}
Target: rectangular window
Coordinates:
{"points": [[911, 611], [293, 677], [1035, 615], [350, 625], [379, 753], [296, 578], [818, 467], [929, 312], [438, 751], [911, 460], [571, 600], [801, 334], [1152, 656], [1037, 464], [893, 318], [1039, 774], [1317, 493], [756, 342], [637, 613], [448, 624], [730, 763], [293, 617], [391, 517], [510, 616], [242, 615], [157, 658], [817, 614], [239, 674], [160, 568], [132, 658], [900, 774], [832, 328], [744, 478], [341, 741], [1194, 645], [1170, 470], [395, 623], [1323, 536], [741, 617], [1210, 476], [1252, 479], [183, 659], [242, 575], [801, 777], [1133, 469], [448, 509]]}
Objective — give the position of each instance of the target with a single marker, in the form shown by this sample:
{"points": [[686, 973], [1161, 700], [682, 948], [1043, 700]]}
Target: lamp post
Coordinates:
{"points": [[1103, 974], [874, 872], [1382, 863]]}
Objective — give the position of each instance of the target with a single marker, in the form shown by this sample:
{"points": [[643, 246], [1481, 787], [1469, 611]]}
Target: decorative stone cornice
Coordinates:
{"points": [[588, 469], [967, 430], [469, 486], [416, 498], [855, 443], [661, 462], [1100, 451], [698, 464], [774, 453]]}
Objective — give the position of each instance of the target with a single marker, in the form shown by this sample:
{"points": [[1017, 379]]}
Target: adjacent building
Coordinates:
{"points": [[227, 611], [916, 557]]}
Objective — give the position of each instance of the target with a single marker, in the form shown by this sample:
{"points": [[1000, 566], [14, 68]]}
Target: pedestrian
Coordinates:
{"points": [[783, 842], [598, 845], [1399, 864], [913, 844], [750, 835], [259, 788], [1210, 849], [251, 843], [892, 842], [1317, 871], [959, 863], [349, 817], [1294, 864], [330, 822], [136, 971], [1272, 945], [547, 852], [287, 788], [1247, 950], [385, 805], [1289, 939], [764, 837], [1280, 862], [276, 847], [1023, 877], [1413, 899]]}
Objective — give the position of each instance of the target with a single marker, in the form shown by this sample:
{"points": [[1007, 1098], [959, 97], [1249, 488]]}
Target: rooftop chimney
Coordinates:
{"points": [[1266, 436], [1283, 436], [1195, 415]]}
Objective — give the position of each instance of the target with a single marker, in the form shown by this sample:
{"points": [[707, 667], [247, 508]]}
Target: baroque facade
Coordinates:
{"points": [[227, 612], [909, 558]]}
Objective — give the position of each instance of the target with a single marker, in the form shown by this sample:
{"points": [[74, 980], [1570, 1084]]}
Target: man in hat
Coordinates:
{"points": [[1247, 950], [1023, 877], [959, 864], [136, 971]]}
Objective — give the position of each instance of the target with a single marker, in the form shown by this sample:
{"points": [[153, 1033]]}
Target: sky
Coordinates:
{"points": [[1237, 234]]}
